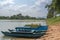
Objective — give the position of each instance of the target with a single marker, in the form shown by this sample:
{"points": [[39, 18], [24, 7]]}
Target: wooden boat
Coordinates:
{"points": [[30, 35], [27, 31]]}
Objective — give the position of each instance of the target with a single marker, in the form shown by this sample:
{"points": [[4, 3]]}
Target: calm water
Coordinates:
{"points": [[11, 24]]}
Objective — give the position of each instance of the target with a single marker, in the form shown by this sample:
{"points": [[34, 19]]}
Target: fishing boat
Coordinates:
{"points": [[27, 31], [30, 35]]}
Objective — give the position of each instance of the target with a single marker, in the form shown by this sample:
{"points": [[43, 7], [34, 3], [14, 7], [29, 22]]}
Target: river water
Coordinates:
{"points": [[11, 24]]}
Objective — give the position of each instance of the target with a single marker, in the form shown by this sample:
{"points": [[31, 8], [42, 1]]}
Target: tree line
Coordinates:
{"points": [[19, 16]]}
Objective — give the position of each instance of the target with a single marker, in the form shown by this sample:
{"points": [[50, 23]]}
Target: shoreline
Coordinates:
{"points": [[24, 20]]}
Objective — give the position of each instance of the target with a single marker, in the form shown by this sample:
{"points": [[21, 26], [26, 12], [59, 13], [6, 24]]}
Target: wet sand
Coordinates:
{"points": [[53, 33]]}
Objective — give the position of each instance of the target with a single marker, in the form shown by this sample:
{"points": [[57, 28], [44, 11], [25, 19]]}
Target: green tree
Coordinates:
{"points": [[53, 8]]}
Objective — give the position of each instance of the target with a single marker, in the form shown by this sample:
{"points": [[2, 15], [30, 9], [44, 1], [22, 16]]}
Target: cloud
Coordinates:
{"points": [[16, 7], [5, 2], [11, 10], [38, 2], [37, 9]]}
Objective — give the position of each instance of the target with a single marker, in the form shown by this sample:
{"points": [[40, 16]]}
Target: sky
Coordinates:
{"points": [[34, 8]]}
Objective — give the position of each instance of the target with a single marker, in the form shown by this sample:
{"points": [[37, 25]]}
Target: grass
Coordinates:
{"points": [[52, 21]]}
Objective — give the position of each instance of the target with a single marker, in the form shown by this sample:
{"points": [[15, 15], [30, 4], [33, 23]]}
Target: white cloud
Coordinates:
{"points": [[16, 7], [5, 2], [38, 2], [33, 10], [12, 9]]}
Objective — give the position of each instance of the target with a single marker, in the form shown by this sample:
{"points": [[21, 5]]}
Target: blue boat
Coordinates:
{"points": [[27, 32], [28, 35]]}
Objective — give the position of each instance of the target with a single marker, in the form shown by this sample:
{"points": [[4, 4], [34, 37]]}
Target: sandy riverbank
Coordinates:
{"points": [[53, 33]]}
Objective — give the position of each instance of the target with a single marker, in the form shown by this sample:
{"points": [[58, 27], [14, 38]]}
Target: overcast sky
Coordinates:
{"points": [[34, 8]]}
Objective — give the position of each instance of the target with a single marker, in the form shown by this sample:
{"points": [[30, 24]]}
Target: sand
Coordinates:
{"points": [[53, 33]]}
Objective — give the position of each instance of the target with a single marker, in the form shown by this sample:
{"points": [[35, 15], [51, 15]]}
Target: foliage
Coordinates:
{"points": [[3, 17], [53, 7], [19, 16]]}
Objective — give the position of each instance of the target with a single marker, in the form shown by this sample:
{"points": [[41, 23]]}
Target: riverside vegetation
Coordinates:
{"points": [[21, 17], [53, 10]]}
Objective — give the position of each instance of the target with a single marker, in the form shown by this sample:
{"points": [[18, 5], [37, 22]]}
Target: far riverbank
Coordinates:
{"points": [[22, 20]]}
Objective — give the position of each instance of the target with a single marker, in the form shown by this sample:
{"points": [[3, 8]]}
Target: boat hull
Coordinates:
{"points": [[30, 35]]}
